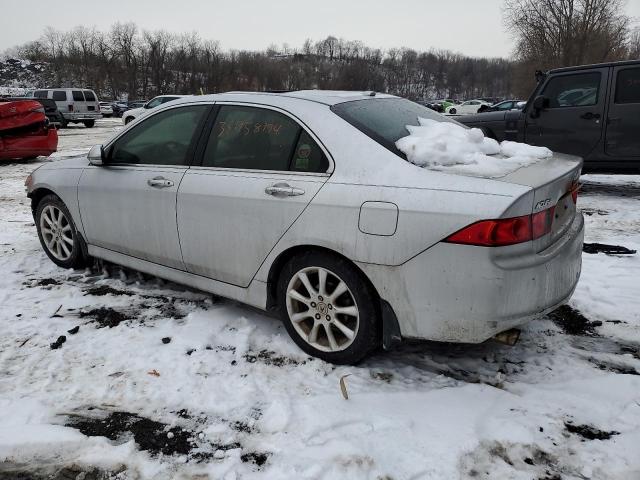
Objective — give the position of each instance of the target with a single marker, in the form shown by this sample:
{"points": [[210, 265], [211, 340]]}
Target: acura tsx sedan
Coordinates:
{"points": [[300, 203]]}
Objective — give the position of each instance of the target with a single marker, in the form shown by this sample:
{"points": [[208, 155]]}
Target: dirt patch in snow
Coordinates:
{"points": [[607, 249], [106, 316], [589, 432], [573, 322], [628, 190], [150, 435], [56, 472], [269, 357], [101, 290], [614, 367]]}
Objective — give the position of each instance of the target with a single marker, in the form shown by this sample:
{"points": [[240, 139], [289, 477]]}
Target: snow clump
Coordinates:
{"points": [[450, 147]]}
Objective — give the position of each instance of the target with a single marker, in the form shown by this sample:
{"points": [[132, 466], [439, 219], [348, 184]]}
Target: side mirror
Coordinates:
{"points": [[539, 103], [96, 155]]}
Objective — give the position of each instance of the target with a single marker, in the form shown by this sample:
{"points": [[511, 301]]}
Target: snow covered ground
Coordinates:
{"points": [[230, 396]]}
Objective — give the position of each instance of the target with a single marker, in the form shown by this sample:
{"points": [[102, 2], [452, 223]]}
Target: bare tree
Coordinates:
{"points": [[554, 33]]}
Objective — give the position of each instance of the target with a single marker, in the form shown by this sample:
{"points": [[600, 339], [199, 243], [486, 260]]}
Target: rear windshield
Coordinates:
{"points": [[385, 119]]}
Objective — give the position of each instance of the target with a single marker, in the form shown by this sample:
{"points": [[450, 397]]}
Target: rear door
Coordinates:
{"points": [[128, 205], [60, 97], [79, 103], [572, 122], [91, 101], [623, 122], [259, 171]]}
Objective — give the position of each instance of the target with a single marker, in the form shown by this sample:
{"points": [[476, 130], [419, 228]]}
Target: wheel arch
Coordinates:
{"points": [[391, 334]]}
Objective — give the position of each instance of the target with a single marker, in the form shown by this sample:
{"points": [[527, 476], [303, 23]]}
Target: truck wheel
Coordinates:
{"points": [[89, 123], [328, 307]]}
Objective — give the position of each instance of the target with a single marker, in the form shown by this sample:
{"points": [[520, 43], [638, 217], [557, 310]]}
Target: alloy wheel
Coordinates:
{"points": [[56, 232], [322, 309]]}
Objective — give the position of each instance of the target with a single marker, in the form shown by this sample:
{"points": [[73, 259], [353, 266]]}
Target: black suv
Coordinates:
{"points": [[592, 111]]}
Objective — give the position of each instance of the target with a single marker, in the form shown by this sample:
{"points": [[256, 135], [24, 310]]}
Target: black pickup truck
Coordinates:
{"points": [[592, 111]]}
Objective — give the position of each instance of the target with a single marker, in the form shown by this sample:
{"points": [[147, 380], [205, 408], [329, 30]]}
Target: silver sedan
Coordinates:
{"points": [[299, 203]]}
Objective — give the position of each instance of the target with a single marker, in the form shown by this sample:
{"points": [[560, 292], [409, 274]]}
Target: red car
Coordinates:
{"points": [[25, 131]]}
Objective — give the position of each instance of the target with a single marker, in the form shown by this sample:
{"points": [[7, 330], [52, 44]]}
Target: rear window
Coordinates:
{"points": [[89, 96], [628, 86], [77, 96], [59, 95], [385, 119]]}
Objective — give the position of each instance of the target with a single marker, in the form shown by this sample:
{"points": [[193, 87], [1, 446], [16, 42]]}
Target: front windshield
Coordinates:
{"points": [[385, 119]]}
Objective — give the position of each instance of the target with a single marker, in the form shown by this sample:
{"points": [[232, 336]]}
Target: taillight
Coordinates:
{"points": [[71, 107], [505, 231], [575, 186]]}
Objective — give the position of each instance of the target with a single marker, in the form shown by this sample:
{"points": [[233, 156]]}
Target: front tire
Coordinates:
{"points": [[58, 234], [452, 111], [328, 308]]}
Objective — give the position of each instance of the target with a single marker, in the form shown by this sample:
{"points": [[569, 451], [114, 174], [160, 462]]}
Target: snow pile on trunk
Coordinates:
{"points": [[449, 147]]}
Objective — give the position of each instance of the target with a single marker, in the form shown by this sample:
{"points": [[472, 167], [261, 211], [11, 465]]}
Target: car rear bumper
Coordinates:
{"points": [[460, 293], [78, 117]]}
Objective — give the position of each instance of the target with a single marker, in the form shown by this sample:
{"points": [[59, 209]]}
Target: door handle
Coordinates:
{"points": [[283, 190], [590, 116], [159, 182]]}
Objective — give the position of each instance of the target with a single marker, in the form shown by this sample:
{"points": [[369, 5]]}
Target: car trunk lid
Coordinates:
{"points": [[553, 181]]}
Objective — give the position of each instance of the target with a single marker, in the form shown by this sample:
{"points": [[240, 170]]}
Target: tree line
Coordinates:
{"points": [[127, 61]]}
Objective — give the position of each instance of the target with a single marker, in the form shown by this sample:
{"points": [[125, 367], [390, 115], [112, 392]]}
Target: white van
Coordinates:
{"points": [[76, 105]]}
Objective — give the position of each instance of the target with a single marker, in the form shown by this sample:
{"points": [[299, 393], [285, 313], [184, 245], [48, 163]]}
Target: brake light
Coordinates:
{"points": [[505, 231], [71, 107], [575, 186]]}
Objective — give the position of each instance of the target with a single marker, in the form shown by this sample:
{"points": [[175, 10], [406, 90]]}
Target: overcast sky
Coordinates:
{"points": [[472, 27]]}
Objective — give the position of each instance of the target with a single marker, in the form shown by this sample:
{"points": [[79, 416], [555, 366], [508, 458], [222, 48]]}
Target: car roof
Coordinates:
{"points": [[595, 65], [326, 97]]}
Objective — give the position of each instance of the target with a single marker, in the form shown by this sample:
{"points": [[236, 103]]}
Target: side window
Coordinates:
{"points": [[40, 94], [578, 90], [251, 138], [89, 96], [628, 86], [307, 156], [59, 95], [162, 139], [77, 96], [154, 103], [168, 99]]}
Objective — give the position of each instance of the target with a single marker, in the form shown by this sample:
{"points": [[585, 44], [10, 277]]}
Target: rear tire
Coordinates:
{"points": [[452, 111], [58, 234], [328, 307], [89, 123]]}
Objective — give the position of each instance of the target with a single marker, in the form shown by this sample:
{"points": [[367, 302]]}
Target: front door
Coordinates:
{"points": [[572, 122], [128, 205], [623, 122], [259, 171]]}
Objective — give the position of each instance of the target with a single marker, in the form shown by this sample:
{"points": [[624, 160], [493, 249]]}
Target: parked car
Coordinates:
{"points": [[470, 106], [502, 106], [301, 204], [440, 105], [131, 115], [106, 109], [24, 130], [119, 108], [50, 109], [76, 105], [592, 111]]}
